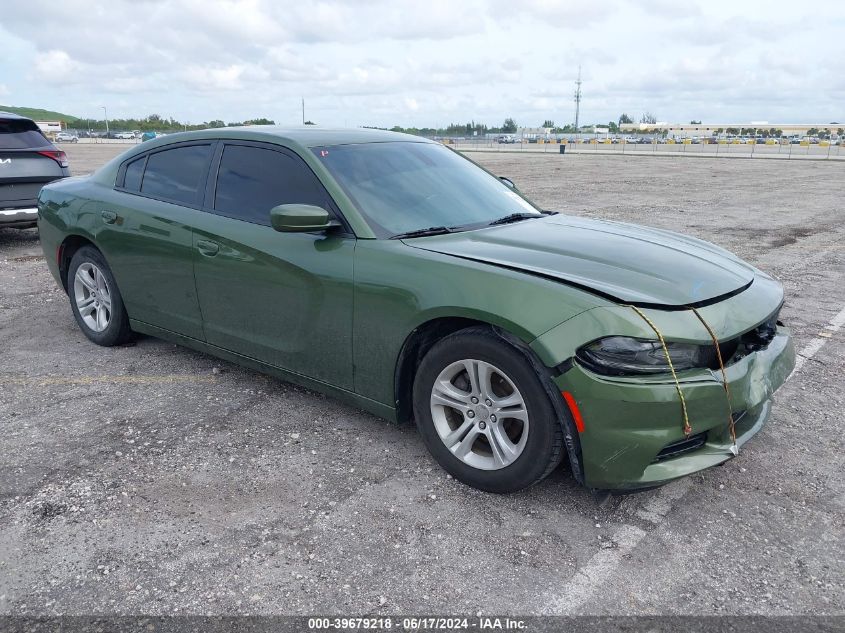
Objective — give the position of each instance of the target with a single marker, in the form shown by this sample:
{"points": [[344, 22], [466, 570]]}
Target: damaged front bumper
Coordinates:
{"points": [[628, 423], [632, 434]]}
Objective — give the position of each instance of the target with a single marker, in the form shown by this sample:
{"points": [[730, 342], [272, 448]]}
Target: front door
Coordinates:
{"points": [[281, 298]]}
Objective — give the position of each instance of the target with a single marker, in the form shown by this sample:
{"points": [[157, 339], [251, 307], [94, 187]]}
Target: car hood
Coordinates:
{"points": [[624, 262]]}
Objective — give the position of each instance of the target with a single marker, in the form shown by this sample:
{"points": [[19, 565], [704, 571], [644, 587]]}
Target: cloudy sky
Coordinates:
{"points": [[427, 62]]}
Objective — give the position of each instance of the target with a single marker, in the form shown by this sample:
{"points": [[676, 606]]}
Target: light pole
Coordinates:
{"points": [[106, 114]]}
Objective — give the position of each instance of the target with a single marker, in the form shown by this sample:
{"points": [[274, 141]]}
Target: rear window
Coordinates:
{"points": [[176, 174], [20, 134]]}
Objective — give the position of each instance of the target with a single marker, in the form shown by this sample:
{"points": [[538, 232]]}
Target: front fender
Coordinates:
{"points": [[398, 288]]}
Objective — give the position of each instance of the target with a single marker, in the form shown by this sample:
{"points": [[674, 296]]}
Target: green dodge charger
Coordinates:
{"points": [[394, 273]]}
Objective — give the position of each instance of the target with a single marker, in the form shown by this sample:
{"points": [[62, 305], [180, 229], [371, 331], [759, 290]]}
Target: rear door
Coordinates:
{"points": [[27, 162], [145, 232], [281, 298]]}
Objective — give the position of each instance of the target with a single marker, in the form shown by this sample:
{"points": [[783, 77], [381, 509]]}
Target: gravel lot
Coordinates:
{"points": [[152, 479]]}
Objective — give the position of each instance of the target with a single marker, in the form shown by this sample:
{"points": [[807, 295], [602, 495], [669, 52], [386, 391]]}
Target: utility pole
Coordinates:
{"points": [[303, 110], [106, 114], [577, 99]]}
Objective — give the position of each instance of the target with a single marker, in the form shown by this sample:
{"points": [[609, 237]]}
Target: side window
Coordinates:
{"points": [[134, 172], [176, 174], [253, 180]]}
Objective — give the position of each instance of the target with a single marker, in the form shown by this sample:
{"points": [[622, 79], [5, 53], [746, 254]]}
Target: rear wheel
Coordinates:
{"points": [[95, 299], [484, 414]]}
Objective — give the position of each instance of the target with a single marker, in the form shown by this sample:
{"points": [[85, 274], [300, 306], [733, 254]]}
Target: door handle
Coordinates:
{"points": [[208, 248], [109, 217]]}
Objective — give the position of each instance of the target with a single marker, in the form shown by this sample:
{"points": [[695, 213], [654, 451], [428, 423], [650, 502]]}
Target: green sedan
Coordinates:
{"points": [[394, 273]]}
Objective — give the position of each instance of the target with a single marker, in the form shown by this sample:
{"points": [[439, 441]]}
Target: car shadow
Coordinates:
{"points": [[18, 237]]}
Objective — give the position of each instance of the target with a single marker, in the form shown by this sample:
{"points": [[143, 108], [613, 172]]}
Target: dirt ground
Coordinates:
{"points": [[152, 479]]}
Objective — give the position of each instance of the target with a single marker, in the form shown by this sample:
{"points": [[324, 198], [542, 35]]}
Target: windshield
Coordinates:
{"points": [[406, 186]]}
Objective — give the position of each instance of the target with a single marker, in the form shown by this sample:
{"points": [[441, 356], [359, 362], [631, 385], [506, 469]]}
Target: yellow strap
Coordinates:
{"points": [[712, 334], [687, 427]]}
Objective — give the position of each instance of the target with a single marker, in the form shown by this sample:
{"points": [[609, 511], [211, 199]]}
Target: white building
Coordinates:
{"points": [[686, 130]]}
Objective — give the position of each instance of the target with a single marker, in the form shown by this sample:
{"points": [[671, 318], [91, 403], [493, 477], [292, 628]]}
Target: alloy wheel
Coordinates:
{"points": [[479, 414], [93, 296]]}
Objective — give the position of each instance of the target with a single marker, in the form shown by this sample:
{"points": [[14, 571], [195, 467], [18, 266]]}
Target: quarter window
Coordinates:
{"points": [[176, 174], [134, 173], [253, 180]]}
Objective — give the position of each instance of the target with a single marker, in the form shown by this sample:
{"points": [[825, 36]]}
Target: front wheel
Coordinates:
{"points": [[484, 414], [95, 299]]}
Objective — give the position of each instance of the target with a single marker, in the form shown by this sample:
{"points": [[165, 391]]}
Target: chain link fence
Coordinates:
{"points": [[772, 148]]}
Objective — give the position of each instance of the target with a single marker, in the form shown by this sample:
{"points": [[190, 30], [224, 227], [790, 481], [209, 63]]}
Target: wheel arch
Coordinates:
{"points": [[425, 335], [415, 347], [67, 249]]}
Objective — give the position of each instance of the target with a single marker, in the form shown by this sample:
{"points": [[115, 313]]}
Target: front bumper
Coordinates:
{"points": [[18, 218], [628, 421]]}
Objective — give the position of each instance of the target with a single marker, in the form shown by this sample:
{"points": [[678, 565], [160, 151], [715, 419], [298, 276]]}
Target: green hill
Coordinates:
{"points": [[38, 114]]}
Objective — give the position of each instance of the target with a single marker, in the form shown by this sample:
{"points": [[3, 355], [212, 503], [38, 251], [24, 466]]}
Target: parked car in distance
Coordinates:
{"points": [[396, 274], [125, 135], [67, 137], [506, 138], [28, 160]]}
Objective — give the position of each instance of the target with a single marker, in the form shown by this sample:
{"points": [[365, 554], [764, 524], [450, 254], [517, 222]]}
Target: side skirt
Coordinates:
{"points": [[371, 406]]}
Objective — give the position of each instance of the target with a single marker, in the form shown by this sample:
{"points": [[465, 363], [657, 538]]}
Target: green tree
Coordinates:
{"points": [[509, 126], [548, 123], [624, 118], [648, 118]]}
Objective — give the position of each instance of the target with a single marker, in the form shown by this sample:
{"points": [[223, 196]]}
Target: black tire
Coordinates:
{"points": [[117, 331], [543, 448]]}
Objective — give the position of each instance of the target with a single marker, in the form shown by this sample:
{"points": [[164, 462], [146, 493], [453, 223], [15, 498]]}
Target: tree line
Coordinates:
{"points": [[158, 123]]}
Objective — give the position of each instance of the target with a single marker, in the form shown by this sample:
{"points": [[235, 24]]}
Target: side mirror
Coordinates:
{"points": [[508, 182], [300, 218]]}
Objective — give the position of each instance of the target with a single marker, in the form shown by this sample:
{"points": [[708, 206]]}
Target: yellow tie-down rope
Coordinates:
{"points": [[731, 423], [684, 413], [687, 427]]}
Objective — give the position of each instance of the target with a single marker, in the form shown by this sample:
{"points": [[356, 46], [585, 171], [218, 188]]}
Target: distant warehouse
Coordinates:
{"points": [[753, 128], [49, 126]]}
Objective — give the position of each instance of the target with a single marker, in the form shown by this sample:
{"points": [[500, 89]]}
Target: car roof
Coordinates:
{"points": [[304, 136], [12, 115]]}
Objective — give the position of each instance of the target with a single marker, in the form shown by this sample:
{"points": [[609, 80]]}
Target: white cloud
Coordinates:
{"points": [[56, 65], [385, 62]]}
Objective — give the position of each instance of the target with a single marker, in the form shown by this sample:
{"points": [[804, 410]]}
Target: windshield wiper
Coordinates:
{"points": [[514, 217], [432, 230]]}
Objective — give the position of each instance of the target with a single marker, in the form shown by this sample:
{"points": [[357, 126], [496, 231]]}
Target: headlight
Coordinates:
{"points": [[621, 355]]}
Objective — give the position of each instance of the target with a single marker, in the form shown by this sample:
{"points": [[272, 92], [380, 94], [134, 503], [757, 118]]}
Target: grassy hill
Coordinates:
{"points": [[38, 114]]}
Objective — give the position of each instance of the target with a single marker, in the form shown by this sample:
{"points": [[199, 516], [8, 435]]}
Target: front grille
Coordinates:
{"points": [[760, 337], [727, 348], [686, 445], [754, 340]]}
